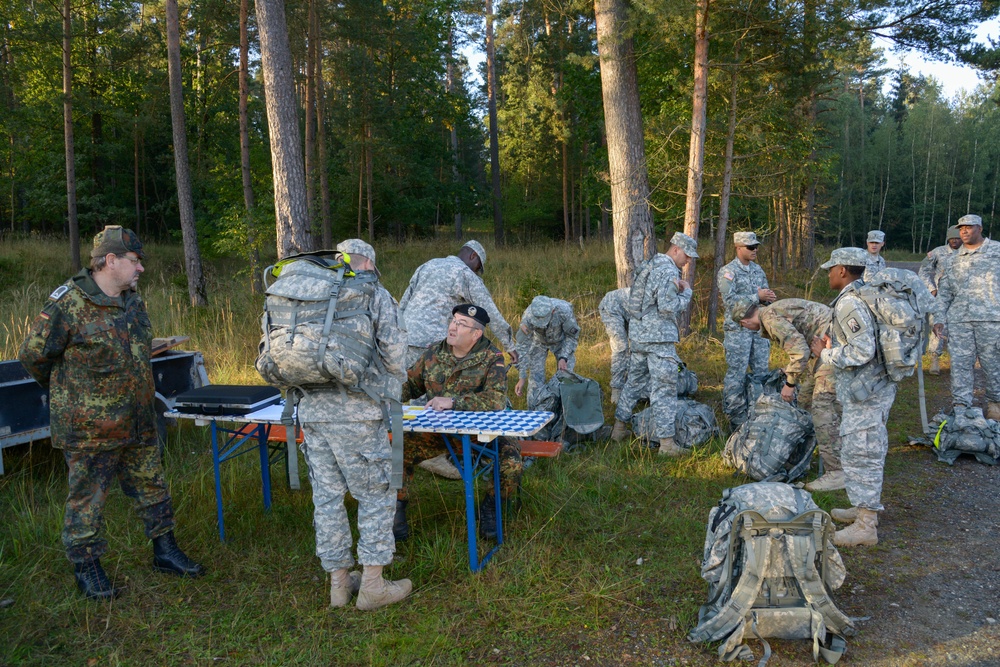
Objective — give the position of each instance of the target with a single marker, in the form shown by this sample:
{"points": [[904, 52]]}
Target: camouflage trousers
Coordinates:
{"points": [[355, 457], [825, 410], [535, 364], [140, 473], [652, 366], [968, 341], [619, 361], [865, 442], [419, 447], [744, 348]]}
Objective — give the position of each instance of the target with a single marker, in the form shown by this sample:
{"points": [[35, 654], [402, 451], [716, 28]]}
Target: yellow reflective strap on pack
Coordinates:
{"points": [[937, 436], [278, 266]]}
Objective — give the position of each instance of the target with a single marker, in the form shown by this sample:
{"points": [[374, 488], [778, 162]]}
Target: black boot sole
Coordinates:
{"points": [[193, 574]]}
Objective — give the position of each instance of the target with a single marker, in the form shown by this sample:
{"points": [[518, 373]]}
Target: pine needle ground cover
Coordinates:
{"points": [[600, 566]]}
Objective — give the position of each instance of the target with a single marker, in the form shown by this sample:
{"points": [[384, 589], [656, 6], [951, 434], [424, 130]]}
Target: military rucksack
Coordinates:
{"points": [[770, 565], [576, 402], [694, 424], [966, 431], [775, 444], [891, 295], [737, 406], [687, 381], [640, 301]]}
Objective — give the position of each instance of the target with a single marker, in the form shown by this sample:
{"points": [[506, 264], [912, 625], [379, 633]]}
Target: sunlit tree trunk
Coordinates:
{"points": [[727, 187], [248, 200], [71, 218], [491, 92]]}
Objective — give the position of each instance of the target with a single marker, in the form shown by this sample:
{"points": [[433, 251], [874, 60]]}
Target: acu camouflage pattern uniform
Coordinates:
{"points": [[931, 269], [873, 264], [347, 448], [744, 348], [652, 340], [969, 295], [560, 336], [792, 324], [435, 288], [614, 313], [858, 371], [477, 381], [92, 352]]}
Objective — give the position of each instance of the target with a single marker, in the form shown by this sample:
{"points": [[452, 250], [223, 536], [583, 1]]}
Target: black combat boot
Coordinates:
{"points": [[400, 528], [168, 557], [93, 580], [488, 517]]}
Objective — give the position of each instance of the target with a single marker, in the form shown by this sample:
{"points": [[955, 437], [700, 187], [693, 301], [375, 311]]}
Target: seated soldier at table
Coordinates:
{"points": [[462, 372]]}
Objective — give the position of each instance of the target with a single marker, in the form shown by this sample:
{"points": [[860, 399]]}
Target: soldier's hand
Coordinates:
{"points": [[519, 387], [682, 285], [816, 346], [441, 403], [513, 356], [939, 330], [788, 393], [563, 365], [766, 295]]}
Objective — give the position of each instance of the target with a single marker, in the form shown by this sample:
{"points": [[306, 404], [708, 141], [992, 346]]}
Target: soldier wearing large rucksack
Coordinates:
{"points": [[331, 335], [865, 389]]}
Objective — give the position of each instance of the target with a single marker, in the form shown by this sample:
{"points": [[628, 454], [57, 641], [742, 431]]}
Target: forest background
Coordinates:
{"points": [[804, 141]]}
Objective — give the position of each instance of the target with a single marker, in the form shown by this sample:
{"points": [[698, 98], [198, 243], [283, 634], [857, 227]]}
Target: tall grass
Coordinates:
{"points": [[600, 566]]}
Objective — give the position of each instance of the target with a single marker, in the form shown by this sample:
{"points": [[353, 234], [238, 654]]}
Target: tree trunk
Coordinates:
{"points": [[491, 90], [696, 153], [71, 219], [727, 186], [248, 201], [324, 178], [185, 204], [634, 235], [567, 231], [290, 205], [310, 115], [449, 84]]}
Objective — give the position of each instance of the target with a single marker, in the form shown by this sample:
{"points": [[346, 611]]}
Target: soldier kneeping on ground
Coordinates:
{"points": [[90, 347], [548, 325]]}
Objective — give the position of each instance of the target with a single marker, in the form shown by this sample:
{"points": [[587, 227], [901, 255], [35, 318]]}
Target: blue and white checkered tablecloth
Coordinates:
{"points": [[484, 425]]}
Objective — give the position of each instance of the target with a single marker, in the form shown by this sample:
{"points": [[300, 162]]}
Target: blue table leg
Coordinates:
{"points": [[495, 445], [469, 478], [218, 481], [263, 432]]}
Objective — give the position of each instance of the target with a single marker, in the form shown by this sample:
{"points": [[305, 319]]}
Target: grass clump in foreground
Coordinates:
{"points": [[601, 561]]}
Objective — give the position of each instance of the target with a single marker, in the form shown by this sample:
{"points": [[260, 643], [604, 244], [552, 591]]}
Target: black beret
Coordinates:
{"points": [[475, 312]]}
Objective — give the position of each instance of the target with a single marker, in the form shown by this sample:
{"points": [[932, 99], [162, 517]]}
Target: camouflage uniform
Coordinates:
{"points": [[435, 288], [614, 314], [873, 264], [931, 269], [346, 446], [743, 347], [969, 292], [92, 352], [793, 323], [652, 338], [477, 381], [534, 343], [866, 394]]}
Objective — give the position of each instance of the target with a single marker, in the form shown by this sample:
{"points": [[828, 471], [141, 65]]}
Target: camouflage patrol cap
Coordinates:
{"points": [[477, 313], [116, 240], [846, 257], [969, 220], [876, 236], [358, 247], [744, 239], [742, 307], [952, 233], [478, 248], [540, 311], [687, 244]]}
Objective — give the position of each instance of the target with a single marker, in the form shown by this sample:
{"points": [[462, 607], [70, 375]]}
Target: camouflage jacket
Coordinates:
{"points": [[477, 381], [658, 323], [92, 352], [969, 290], [855, 338], [438, 286], [736, 280], [385, 376], [932, 266], [873, 264], [793, 323], [560, 336]]}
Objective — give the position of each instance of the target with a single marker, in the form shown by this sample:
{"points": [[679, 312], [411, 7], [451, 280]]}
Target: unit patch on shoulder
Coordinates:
{"points": [[728, 275], [853, 325], [59, 292]]}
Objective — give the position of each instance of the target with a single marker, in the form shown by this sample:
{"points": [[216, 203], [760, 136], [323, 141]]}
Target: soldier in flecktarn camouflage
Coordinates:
{"points": [[745, 349], [90, 347], [347, 448], [969, 292], [548, 325], [438, 286], [932, 269], [866, 393], [462, 372]]}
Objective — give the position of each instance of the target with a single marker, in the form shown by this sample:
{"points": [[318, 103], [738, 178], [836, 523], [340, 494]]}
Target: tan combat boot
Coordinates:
{"points": [[830, 481], [619, 432], [935, 368], [376, 592], [860, 533], [343, 585], [441, 466], [844, 515], [993, 411], [670, 448]]}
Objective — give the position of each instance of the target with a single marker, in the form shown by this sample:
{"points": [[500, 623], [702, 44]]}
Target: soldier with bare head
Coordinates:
{"points": [[90, 347]]}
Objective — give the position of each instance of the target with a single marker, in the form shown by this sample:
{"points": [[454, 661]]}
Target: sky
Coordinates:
{"points": [[952, 77]]}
